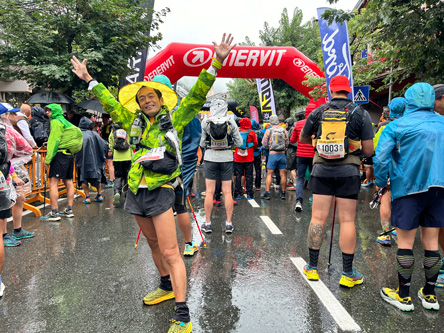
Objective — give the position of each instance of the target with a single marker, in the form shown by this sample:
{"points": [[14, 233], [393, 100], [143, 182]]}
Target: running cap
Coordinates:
{"points": [[274, 120], [439, 91], [5, 107], [340, 83]]}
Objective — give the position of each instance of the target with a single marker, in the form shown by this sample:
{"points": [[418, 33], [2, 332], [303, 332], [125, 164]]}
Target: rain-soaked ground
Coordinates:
{"points": [[84, 275]]}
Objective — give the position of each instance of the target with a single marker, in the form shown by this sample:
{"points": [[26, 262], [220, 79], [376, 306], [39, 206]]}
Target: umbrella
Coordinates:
{"points": [[50, 97], [92, 104]]}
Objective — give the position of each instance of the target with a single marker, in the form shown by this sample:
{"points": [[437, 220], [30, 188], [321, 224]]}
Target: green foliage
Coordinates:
{"points": [[41, 36], [291, 32], [319, 85], [404, 38]]}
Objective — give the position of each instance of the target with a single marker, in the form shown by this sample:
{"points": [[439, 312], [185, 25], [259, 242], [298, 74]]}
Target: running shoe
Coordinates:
{"points": [[367, 183], [157, 296], [266, 196], [22, 234], [50, 217], [2, 289], [351, 280], [67, 213], [234, 202], [298, 207], [229, 228], [429, 302], [8, 241], [394, 233], [291, 188], [99, 198], [116, 201], [384, 240], [216, 203], [282, 196], [180, 327], [190, 249], [391, 296], [440, 280], [87, 201], [206, 227], [258, 188], [109, 185], [238, 198], [250, 197], [311, 273]]}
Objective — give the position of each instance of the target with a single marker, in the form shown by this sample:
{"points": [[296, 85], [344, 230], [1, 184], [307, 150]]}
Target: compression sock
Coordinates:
{"points": [[165, 283], [431, 268], [347, 263], [406, 261], [181, 312], [385, 226], [314, 256], [18, 229]]}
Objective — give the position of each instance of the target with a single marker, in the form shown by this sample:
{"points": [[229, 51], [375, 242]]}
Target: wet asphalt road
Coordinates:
{"points": [[84, 275]]}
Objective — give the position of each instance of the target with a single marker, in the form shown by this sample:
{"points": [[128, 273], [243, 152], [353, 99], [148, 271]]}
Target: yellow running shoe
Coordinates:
{"points": [[352, 280], [311, 273], [391, 296], [157, 296], [180, 327], [190, 249], [429, 302]]}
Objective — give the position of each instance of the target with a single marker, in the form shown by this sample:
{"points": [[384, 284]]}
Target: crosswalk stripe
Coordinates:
{"points": [[252, 202], [337, 311], [269, 223]]}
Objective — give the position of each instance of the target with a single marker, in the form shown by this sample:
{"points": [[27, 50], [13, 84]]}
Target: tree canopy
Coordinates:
{"points": [[39, 37]]}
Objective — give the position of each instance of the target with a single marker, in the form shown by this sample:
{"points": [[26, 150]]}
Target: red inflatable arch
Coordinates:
{"points": [[286, 63]]}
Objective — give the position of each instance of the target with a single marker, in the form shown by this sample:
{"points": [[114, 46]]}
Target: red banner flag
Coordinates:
{"points": [[254, 114]]}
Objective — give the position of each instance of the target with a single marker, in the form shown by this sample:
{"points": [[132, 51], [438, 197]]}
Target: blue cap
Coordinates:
{"points": [[5, 107]]}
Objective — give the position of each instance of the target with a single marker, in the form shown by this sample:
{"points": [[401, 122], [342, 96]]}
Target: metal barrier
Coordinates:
{"points": [[39, 182]]}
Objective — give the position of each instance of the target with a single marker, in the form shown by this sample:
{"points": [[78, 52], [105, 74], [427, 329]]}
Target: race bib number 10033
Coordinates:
{"points": [[331, 149]]}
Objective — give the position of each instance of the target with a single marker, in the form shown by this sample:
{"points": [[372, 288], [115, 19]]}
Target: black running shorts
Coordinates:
{"points": [[341, 187], [218, 170], [62, 166], [148, 203]]}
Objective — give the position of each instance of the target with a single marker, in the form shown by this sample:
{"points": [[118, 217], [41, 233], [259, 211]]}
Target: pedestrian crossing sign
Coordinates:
{"points": [[362, 94]]}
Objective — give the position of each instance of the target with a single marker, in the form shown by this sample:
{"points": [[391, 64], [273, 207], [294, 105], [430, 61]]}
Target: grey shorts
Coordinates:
{"points": [[218, 170], [148, 203]]}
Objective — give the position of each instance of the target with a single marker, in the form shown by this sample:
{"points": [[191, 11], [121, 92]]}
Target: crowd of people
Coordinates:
{"points": [[148, 142]]}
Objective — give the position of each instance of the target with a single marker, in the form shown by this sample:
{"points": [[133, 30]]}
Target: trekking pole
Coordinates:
{"points": [[331, 236], [195, 219], [44, 190], [137, 240], [387, 232]]}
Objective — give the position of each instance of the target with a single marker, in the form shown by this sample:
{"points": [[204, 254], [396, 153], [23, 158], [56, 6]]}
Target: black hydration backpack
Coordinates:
{"points": [[120, 139], [4, 164], [39, 133], [219, 138]]}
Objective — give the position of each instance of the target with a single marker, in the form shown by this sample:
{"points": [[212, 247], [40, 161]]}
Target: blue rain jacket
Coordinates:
{"points": [[411, 149], [190, 143]]}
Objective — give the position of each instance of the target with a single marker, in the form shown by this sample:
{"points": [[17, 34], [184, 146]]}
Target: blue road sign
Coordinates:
{"points": [[362, 94]]}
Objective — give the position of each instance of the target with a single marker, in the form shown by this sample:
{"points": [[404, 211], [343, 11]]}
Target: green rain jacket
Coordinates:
{"points": [[64, 136], [188, 108]]}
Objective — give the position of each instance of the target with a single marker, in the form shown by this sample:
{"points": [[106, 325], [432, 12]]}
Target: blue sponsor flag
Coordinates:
{"points": [[335, 50]]}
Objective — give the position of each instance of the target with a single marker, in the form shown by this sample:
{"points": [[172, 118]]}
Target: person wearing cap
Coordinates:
{"points": [[410, 152], [20, 122], [304, 157], [276, 158], [439, 109], [143, 111], [337, 177], [60, 160], [397, 107]]}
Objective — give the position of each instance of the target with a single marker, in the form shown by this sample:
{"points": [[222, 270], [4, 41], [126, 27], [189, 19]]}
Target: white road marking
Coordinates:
{"points": [[337, 311], [269, 223], [252, 202]]}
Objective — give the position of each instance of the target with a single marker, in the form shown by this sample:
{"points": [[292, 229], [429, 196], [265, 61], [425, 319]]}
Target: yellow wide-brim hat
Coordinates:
{"points": [[127, 95]]}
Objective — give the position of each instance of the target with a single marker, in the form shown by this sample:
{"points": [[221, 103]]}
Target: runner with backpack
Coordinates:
{"points": [[343, 132], [276, 140], [257, 153], [121, 152], [219, 134], [39, 125], [64, 141], [243, 159]]}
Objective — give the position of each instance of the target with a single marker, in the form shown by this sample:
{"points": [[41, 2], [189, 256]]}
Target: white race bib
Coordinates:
{"points": [[330, 149], [152, 155], [121, 134], [242, 152]]}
